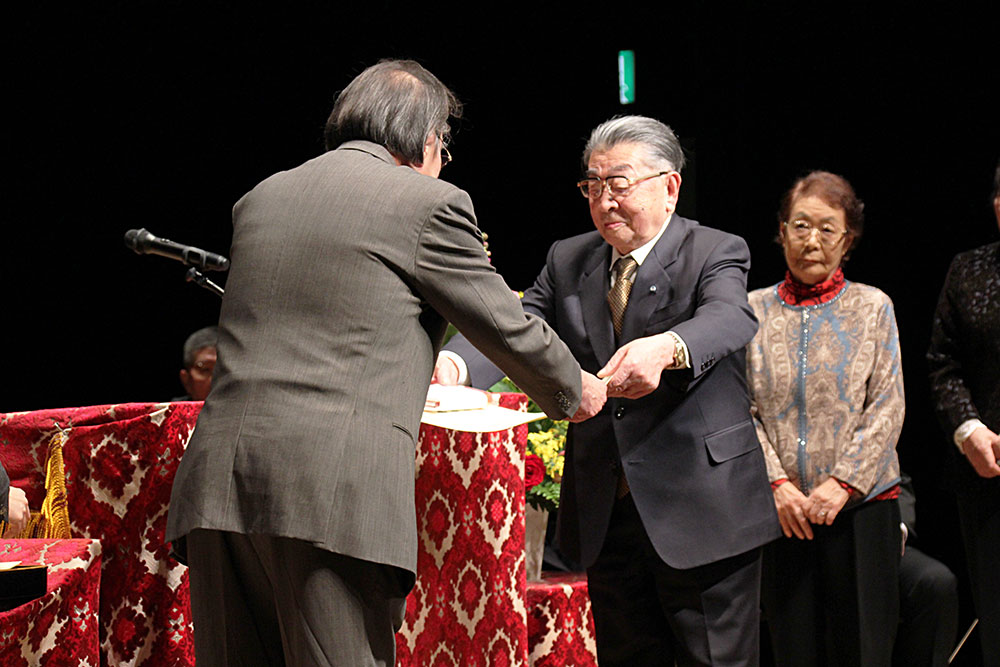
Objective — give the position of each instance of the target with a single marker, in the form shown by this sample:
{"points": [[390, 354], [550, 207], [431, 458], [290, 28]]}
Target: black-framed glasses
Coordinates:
{"points": [[618, 186], [801, 230]]}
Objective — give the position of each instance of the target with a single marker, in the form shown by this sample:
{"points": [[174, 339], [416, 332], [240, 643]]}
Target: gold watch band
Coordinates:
{"points": [[680, 358]]}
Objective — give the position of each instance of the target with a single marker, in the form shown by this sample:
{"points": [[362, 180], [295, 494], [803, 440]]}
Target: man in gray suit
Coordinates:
{"points": [[294, 502], [665, 498]]}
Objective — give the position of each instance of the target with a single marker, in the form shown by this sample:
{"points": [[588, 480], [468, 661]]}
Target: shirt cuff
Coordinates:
{"points": [[463, 368], [964, 430], [681, 357]]}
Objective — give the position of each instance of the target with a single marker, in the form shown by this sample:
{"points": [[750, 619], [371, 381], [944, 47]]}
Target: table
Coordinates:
{"points": [[120, 462], [471, 602], [468, 605], [560, 622], [61, 627]]}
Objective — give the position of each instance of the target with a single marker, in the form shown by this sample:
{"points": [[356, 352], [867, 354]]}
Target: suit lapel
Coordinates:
{"points": [[651, 289], [593, 289]]}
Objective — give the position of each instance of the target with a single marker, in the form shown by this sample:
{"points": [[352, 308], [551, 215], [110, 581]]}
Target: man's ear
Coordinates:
{"points": [[430, 147], [673, 189]]}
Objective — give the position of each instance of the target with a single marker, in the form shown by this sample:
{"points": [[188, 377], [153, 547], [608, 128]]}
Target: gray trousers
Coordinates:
{"points": [[263, 600]]}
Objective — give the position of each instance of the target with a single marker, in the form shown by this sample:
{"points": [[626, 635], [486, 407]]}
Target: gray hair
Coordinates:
{"points": [[202, 338], [395, 103], [662, 148]]}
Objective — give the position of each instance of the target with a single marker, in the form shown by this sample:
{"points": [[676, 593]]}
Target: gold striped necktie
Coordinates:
{"points": [[624, 273]]}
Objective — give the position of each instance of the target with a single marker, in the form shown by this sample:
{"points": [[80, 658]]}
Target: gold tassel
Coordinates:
{"points": [[52, 522]]}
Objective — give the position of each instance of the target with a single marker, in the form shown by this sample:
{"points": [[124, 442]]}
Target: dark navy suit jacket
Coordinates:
{"points": [[689, 450]]}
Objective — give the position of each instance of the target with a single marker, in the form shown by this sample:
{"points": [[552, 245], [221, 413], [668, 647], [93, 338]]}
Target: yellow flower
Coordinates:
{"points": [[549, 445]]}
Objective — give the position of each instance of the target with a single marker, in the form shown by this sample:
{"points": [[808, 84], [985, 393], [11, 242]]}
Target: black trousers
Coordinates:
{"points": [[833, 601], [263, 600], [979, 511], [648, 613]]}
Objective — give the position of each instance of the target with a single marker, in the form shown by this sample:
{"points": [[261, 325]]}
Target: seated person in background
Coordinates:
{"points": [[928, 597], [199, 362], [13, 507]]}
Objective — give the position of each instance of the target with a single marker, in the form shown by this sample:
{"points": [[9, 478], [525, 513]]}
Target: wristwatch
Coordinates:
{"points": [[680, 356]]}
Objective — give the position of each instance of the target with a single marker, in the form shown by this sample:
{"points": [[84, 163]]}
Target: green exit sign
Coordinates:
{"points": [[626, 77]]}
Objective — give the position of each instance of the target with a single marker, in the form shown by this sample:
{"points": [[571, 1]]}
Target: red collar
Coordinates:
{"points": [[795, 293]]}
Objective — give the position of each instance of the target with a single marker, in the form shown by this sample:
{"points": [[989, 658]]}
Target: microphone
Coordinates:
{"points": [[145, 243]]}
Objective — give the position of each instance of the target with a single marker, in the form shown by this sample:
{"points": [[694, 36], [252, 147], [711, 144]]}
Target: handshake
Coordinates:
{"points": [[632, 372]]}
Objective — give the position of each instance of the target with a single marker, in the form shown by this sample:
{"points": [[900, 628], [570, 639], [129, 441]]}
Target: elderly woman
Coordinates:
{"points": [[827, 396]]}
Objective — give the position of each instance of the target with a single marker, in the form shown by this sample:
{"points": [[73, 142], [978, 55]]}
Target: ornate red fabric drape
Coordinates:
{"points": [[61, 627], [470, 605], [120, 462]]}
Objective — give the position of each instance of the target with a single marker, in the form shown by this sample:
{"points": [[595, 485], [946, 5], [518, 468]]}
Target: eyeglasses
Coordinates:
{"points": [[801, 230], [445, 153], [202, 368], [618, 186]]}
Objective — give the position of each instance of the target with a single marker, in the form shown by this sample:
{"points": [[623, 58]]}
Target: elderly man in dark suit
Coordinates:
{"points": [[294, 501], [665, 499]]}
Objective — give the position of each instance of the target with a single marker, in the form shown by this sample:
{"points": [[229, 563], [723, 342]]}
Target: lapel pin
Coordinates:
{"points": [[652, 288]]}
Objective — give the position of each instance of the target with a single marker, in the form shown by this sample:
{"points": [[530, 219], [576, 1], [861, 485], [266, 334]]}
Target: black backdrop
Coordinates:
{"points": [[161, 115]]}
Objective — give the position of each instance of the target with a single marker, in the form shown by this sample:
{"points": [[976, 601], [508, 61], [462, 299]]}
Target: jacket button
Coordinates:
{"points": [[620, 412]]}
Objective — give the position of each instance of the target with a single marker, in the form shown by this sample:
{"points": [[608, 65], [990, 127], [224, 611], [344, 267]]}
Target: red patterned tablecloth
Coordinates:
{"points": [[59, 628], [560, 623], [120, 462], [468, 606]]}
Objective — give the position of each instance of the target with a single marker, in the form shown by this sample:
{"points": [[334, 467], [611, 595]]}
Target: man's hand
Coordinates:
{"points": [[982, 448], [594, 397], [635, 368], [445, 371], [17, 512], [826, 501], [791, 505]]}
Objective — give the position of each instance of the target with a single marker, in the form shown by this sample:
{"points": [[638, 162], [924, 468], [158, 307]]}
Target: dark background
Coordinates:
{"points": [[122, 115]]}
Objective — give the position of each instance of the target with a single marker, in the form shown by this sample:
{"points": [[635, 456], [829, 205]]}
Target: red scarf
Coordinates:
{"points": [[795, 293]]}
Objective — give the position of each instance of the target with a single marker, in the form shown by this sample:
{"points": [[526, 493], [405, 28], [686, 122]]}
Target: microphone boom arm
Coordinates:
{"points": [[198, 278]]}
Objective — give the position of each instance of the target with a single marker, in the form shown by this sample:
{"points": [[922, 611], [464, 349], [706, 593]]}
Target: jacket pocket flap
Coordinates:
{"points": [[732, 441]]}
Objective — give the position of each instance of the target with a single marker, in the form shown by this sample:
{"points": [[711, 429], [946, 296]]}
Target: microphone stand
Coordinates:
{"points": [[197, 277]]}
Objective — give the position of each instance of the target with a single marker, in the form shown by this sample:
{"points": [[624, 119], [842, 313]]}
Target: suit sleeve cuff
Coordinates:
{"points": [[463, 368]]}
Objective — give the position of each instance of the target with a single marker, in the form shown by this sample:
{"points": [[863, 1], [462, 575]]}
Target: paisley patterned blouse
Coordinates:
{"points": [[826, 387]]}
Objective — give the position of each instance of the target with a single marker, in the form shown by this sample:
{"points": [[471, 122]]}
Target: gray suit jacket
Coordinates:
{"points": [[344, 272], [689, 449]]}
